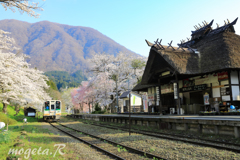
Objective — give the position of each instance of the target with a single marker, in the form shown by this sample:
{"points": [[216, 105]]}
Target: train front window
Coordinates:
{"points": [[52, 107], [57, 105], [46, 106]]}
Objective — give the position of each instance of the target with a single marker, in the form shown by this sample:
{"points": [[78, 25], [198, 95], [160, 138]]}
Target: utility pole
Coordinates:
{"points": [[129, 113], [117, 92]]}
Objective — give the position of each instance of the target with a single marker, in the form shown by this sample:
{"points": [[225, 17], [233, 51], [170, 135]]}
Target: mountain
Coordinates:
{"points": [[59, 47]]}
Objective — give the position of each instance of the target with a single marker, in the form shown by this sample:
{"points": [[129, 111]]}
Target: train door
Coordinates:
{"points": [[53, 108], [58, 109]]}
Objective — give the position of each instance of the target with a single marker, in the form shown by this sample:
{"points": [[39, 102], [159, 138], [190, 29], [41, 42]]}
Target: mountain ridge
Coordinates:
{"points": [[60, 47]]}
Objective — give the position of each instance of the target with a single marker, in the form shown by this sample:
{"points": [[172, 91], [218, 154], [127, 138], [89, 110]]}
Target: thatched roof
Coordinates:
{"points": [[180, 60], [220, 51], [217, 52]]}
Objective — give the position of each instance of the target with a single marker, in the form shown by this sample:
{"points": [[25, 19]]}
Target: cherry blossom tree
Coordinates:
{"points": [[19, 82], [79, 98], [85, 95], [24, 6], [66, 96], [122, 71], [102, 89], [75, 100]]}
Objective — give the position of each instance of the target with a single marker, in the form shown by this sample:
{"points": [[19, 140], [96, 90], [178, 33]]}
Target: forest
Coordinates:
{"points": [[63, 79]]}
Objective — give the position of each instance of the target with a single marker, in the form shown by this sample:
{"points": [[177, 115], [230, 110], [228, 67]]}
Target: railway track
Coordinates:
{"points": [[112, 149], [206, 143]]}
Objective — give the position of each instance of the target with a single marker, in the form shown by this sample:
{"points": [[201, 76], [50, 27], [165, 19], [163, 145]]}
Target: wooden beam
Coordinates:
{"points": [[218, 86]]}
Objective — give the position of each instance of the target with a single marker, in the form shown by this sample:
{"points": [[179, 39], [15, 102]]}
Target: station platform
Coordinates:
{"points": [[187, 117], [215, 124]]}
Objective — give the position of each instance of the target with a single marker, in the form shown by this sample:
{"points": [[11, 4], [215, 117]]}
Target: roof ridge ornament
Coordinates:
{"points": [[180, 46], [170, 45], [159, 44], [224, 27], [202, 27]]}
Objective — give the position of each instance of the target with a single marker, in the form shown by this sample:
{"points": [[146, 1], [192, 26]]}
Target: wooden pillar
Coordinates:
{"points": [[141, 123], [230, 86], [129, 113], [160, 97], [178, 99]]}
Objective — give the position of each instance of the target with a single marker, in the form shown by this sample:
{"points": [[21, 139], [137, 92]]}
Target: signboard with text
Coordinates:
{"points": [[151, 97], [167, 88], [175, 91], [194, 88], [222, 76]]}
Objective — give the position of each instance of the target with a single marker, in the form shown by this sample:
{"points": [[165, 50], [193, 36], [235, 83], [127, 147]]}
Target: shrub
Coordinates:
{"points": [[5, 119], [98, 109]]}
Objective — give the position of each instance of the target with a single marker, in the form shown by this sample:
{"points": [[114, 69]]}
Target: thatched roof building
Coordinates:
{"points": [[205, 67], [208, 51]]}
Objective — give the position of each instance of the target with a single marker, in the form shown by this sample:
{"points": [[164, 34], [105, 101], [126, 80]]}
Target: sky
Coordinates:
{"points": [[130, 22]]}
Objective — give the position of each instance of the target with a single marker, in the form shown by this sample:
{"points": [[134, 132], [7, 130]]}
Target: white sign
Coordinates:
{"points": [[166, 88], [2, 124], [175, 91], [157, 90], [31, 114]]}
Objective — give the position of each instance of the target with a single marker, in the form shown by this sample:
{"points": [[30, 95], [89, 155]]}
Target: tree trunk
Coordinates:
{"points": [[89, 107], [17, 109], [5, 108], [108, 108]]}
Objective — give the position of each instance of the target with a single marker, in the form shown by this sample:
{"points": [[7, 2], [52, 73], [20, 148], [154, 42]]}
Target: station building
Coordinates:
{"points": [[198, 75]]}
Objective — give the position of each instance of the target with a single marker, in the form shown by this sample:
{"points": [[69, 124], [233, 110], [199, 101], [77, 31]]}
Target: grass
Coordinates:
{"points": [[42, 139], [14, 119], [36, 137]]}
